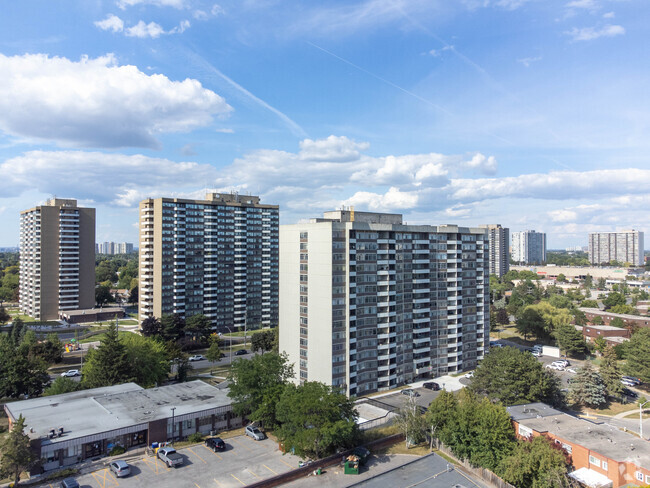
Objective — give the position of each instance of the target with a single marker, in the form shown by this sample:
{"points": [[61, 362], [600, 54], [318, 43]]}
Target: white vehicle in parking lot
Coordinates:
{"points": [[254, 432], [557, 367]]}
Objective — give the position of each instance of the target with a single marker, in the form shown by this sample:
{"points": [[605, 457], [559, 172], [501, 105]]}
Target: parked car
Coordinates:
{"points": [[562, 362], [632, 379], [557, 367], [215, 443], [410, 392], [70, 373], [629, 393], [570, 370], [254, 432], [431, 385], [241, 352], [170, 457], [627, 382], [536, 352], [69, 483], [120, 468], [197, 357], [469, 375]]}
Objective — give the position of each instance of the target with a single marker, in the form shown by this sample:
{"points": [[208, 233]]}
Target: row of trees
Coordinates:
{"points": [[9, 280], [313, 419]]}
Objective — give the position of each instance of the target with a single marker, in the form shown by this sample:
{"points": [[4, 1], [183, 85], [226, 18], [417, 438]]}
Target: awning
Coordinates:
{"points": [[591, 478]]}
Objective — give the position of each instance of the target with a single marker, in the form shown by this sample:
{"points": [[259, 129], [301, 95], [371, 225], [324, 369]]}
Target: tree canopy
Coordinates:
{"points": [[22, 374], [16, 454], [108, 364], [315, 419], [515, 377], [637, 352], [588, 388], [263, 340], [570, 340], [535, 463]]}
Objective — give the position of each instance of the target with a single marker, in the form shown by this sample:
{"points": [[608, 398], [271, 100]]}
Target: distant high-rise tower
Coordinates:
{"points": [[625, 246], [57, 259], [499, 240], [529, 247], [368, 303], [217, 257]]}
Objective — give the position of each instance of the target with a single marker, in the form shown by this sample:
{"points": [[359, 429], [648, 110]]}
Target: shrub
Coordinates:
{"points": [[117, 450], [196, 437]]}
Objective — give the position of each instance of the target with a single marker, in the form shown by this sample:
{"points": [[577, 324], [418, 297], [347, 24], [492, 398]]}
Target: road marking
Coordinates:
{"points": [[156, 465], [283, 461], [238, 479], [248, 469], [101, 478], [190, 449], [213, 452], [269, 469], [241, 444], [215, 480], [197, 486]]}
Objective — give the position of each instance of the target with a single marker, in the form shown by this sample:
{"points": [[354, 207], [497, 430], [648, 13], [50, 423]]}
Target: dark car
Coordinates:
{"points": [[69, 483], [629, 393], [215, 443], [431, 385], [241, 352]]}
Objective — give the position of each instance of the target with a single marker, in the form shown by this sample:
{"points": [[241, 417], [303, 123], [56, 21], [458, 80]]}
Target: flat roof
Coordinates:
{"points": [[598, 311], [601, 327], [81, 312], [89, 412], [599, 437]]}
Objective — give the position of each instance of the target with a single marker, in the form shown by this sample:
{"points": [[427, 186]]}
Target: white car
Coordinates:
{"points": [[254, 432], [557, 367], [71, 372], [198, 357], [562, 362], [627, 382], [469, 375]]}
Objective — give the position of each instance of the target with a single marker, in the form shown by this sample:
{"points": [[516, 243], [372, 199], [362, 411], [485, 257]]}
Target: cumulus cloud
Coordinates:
{"points": [[112, 23], [336, 149], [528, 61], [178, 4], [392, 200], [591, 33], [142, 30], [117, 179], [98, 103]]}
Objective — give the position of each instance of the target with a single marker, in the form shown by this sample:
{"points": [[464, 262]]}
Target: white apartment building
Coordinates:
{"points": [[499, 241], [368, 303], [625, 246], [529, 247], [217, 257], [114, 248], [57, 259]]}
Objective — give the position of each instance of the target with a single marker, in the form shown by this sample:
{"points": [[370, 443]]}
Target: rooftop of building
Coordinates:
{"points": [[82, 312], [603, 327], [600, 438], [89, 412], [213, 198], [627, 316]]}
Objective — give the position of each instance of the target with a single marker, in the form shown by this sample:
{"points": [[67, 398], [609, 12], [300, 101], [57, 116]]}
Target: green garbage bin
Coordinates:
{"points": [[351, 467]]}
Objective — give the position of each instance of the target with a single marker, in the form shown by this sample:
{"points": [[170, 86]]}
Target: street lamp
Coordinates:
{"points": [[173, 425], [230, 341], [641, 405]]}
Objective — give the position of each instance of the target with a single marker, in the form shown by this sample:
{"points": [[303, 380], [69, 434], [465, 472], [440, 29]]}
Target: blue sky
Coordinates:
{"points": [[530, 113]]}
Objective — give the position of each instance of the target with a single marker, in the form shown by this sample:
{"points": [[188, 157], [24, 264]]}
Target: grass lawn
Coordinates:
{"points": [[102, 336], [128, 322], [614, 408], [635, 415]]}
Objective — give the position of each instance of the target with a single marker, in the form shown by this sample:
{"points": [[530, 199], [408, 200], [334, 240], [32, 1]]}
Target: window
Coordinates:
{"points": [[639, 475], [525, 431], [605, 466], [596, 461], [647, 479]]}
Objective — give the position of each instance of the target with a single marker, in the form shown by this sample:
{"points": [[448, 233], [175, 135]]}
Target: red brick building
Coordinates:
{"points": [[607, 317], [603, 456], [613, 335]]}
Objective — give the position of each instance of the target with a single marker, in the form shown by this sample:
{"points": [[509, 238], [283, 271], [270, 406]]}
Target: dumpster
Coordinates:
{"points": [[351, 465]]}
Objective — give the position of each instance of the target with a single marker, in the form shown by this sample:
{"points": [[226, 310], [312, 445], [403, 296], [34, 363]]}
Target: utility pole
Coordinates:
{"points": [[173, 425]]}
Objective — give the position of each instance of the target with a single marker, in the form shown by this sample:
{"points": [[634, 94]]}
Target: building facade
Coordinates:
{"points": [[499, 241], [529, 247], [114, 248], [368, 303], [217, 257], [57, 258], [624, 247]]}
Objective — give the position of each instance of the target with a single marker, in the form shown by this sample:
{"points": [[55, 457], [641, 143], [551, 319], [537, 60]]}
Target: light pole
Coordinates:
{"points": [[173, 425], [230, 341], [641, 405]]}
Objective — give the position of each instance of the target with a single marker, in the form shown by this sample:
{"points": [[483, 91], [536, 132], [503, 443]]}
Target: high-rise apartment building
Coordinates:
{"points": [[57, 258], [529, 247], [368, 303], [499, 240], [114, 248], [217, 256], [625, 246]]}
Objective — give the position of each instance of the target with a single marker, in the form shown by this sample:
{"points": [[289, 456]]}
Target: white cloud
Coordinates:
{"points": [[112, 23], [528, 61], [217, 10], [591, 33], [96, 102], [392, 200], [438, 52], [336, 149], [115, 179], [142, 30], [178, 4], [225, 131], [584, 4], [609, 15], [182, 27]]}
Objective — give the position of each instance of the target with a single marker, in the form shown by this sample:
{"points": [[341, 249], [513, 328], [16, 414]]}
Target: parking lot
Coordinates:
{"points": [[243, 462]]}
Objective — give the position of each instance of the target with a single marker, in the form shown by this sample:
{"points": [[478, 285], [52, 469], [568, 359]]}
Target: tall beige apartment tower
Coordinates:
{"points": [[57, 258], [368, 303], [499, 241], [626, 247], [217, 257]]}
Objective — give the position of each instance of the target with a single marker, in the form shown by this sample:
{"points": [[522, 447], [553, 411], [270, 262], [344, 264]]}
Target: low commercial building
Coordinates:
{"points": [[602, 455], [607, 317], [69, 428], [577, 272], [91, 315], [613, 335]]}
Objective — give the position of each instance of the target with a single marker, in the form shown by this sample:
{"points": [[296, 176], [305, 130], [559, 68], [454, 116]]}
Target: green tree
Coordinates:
{"points": [[440, 413], [535, 463], [514, 377], [17, 456], [4, 316], [570, 340], [173, 326], [257, 384], [103, 295], [600, 344], [199, 326], [589, 282], [18, 329], [263, 341], [588, 388], [589, 304], [610, 372], [623, 308], [411, 422], [151, 327], [134, 294], [316, 420], [62, 385], [561, 278], [614, 298], [638, 355], [147, 359], [22, 374], [597, 320], [617, 322], [214, 350], [531, 322], [108, 364]]}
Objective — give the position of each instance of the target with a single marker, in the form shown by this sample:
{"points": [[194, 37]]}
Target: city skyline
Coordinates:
{"points": [[527, 113]]}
